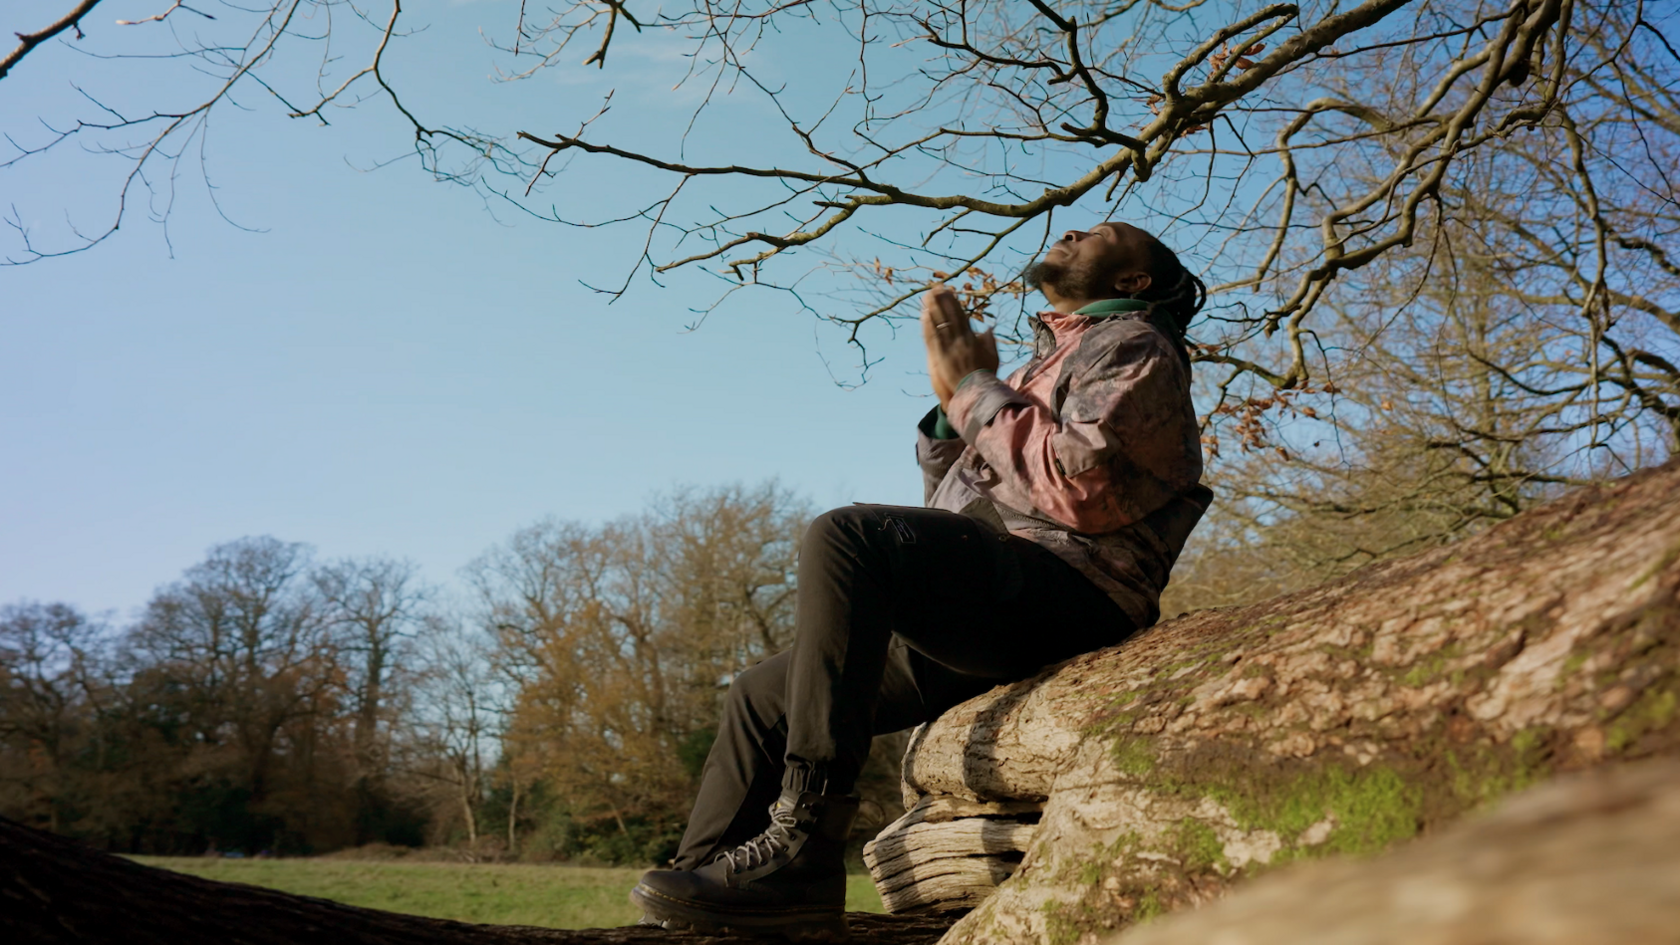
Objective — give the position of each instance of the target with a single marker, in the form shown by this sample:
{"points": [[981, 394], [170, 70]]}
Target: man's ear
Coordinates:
{"points": [[1133, 283]]}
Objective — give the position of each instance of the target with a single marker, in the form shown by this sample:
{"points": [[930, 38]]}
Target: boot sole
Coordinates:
{"points": [[797, 924]]}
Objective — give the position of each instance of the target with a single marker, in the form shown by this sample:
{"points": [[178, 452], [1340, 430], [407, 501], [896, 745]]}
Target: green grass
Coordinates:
{"points": [[561, 897]]}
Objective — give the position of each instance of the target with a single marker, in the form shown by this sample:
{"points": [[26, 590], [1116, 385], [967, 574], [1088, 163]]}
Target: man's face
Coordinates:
{"points": [[1106, 260]]}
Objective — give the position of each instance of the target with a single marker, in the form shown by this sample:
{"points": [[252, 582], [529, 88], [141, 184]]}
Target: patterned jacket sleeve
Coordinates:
{"points": [[936, 457], [1124, 437]]}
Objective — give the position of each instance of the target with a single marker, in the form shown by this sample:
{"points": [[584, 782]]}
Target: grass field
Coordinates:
{"points": [[562, 897]]}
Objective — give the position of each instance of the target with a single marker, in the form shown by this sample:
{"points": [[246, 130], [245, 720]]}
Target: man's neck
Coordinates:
{"points": [[1068, 306]]}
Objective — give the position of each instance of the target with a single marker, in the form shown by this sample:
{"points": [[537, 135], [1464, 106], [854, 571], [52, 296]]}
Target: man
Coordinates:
{"points": [[1057, 502]]}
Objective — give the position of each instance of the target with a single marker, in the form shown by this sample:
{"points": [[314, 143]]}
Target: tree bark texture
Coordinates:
{"points": [[54, 890], [1590, 858], [1340, 719]]}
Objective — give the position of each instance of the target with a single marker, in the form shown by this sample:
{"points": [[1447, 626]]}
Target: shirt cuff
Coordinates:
{"points": [[978, 399], [936, 426], [942, 429]]}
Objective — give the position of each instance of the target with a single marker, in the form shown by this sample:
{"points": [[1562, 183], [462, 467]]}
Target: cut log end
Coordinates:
{"points": [[947, 854]]}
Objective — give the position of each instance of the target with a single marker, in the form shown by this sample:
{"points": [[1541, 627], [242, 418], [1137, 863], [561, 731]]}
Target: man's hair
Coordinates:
{"points": [[1174, 291]]}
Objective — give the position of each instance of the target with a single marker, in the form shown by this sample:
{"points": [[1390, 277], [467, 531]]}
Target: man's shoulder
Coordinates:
{"points": [[1129, 335]]}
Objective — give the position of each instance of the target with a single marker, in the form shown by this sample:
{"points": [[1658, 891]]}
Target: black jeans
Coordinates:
{"points": [[903, 613]]}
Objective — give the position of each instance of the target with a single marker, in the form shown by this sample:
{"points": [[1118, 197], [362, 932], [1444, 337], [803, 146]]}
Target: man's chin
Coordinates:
{"points": [[1043, 276]]}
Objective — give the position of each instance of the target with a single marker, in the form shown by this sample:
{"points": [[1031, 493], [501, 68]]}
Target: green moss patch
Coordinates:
{"points": [[1373, 807], [1575, 661], [1662, 564], [1133, 756], [1199, 848], [1429, 668], [1149, 906], [1066, 922], [1653, 711], [1478, 774]]}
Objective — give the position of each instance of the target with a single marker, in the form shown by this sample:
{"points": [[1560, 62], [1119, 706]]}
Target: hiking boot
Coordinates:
{"points": [[789, 880]]}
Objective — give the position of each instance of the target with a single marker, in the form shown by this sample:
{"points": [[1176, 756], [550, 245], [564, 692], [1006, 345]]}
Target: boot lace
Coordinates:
{"points": [[761, 849]]}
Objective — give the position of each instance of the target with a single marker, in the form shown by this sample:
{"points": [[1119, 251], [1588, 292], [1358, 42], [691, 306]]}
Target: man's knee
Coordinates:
{"points": [[836, 528], [760, 689]]}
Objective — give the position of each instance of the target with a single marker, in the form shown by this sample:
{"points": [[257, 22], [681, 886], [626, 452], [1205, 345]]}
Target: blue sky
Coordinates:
{"points": [[388, 368]]}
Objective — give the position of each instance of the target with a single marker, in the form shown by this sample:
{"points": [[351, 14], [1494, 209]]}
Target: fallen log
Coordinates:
{"points": [[1343, 719]]}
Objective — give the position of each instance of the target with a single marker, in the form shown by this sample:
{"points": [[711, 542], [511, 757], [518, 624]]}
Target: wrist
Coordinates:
{"points": [[970, 378], [979, 398]]}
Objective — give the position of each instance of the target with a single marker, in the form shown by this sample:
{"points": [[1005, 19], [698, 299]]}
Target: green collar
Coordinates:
{"points": [[1111, 307]]}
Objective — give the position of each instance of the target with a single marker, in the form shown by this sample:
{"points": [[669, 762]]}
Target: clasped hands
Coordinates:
{"points": [[953, 348]]}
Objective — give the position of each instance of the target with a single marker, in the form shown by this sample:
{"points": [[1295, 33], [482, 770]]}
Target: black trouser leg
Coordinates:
{"points": [[743, 772], [902, 614], [965, 598]]}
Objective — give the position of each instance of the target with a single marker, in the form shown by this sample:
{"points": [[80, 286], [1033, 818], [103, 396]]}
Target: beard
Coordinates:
{"points": [[1079, 280]]}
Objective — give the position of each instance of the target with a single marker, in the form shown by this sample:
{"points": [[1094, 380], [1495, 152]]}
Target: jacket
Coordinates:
{"points": [[1091, 449]]}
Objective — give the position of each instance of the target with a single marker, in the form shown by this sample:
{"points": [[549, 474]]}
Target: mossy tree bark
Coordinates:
{"points": [[1336, 720], [1593, 857]]}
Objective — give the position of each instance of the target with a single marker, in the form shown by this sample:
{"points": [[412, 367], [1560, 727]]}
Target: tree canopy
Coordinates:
{"points": [[1439, 234]]}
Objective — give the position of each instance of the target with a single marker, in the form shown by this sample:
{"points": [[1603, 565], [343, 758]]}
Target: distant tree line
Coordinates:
{"points": [[255, 704], [270, 701]]}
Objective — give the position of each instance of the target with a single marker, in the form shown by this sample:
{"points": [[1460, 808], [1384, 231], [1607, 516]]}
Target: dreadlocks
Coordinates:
{"points": [[1174, 293]]}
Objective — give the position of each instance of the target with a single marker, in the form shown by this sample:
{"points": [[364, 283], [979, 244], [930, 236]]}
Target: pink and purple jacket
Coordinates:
{"points": [[1091, 449]]}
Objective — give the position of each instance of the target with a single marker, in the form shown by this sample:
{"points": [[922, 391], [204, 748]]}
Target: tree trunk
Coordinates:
{"points": [[1340, 719], [368, 756], [54, 890], [513, 815], [468, 814]]}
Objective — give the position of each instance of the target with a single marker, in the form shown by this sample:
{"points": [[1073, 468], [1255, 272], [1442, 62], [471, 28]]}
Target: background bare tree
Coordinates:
{"points": [[616, 641], [373, 606], [49, 681], [1449, 421], [460, 715], [245, 642]]}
